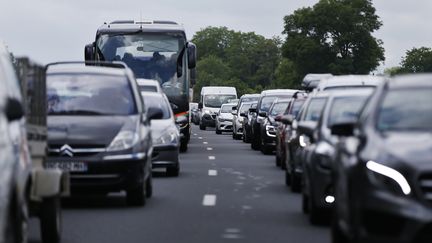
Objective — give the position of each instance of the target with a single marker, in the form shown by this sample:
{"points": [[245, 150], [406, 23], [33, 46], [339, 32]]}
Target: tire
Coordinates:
{"points": [[234, 136], [183, 146], [17, 223], [287, 178], [50, 220], [202, 127], [295, 183], [255, 144], [337, 235], [218, 131], [316, 216], [137, 196], [277, 160], [305, 203], [149, 187], [173, 171], [266, 150]]}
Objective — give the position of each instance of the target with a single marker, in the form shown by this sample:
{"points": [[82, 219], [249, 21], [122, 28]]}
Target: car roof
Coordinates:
{"points": [[231, 104], [411, 80], [144, 25], [80, 68], [350, 92], [143, 81], [278, 91], [350, 80], [250, 95], [283, 100]]}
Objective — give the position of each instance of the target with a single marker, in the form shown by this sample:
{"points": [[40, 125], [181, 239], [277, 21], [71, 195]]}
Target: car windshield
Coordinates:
{"points": [[345, 109], [216, 101], [227, 108], [89, 94], [244, 108], [147, 88], [278, 108], [314, 110], [157, 102], [408, 109], [149, 55], [249, 99]]}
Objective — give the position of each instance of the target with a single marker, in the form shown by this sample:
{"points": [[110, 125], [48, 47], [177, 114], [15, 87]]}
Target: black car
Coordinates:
{"points": [[264, 103], [99, 130], [301, 137], [249, 118], [318, 198], [383, 170], [268, 129]]}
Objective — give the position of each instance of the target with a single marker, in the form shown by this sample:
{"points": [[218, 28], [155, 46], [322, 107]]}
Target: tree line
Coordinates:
{"points": [[333, 36]]}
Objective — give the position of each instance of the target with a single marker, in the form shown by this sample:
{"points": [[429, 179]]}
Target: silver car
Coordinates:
{"points": [[238, 119], [165, 134], [224, 118]]}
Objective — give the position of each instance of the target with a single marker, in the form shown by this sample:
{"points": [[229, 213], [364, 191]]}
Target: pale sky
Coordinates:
{"points": [[57, 30]]}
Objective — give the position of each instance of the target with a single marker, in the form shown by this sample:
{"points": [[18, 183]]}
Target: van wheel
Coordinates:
{"points": [[50, 220], [137, 196], [202, 127]]}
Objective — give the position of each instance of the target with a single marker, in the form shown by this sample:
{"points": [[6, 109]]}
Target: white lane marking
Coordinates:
{"points": [[209, 200], [232, 230], [209, 149], [212, 157], [232, 233], [199, 137], [212, 172], [195, 134], [205, 142]]}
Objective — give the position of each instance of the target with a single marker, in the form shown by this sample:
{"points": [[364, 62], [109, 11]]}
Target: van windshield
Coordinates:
{"points": [[217, 100], [89, 94]]}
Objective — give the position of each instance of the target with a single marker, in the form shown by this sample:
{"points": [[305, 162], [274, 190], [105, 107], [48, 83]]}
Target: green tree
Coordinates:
{"points": [[333, 36], [417, 60]]}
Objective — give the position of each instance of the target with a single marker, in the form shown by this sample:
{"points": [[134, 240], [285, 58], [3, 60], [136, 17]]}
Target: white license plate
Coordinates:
{"points": [[67, 166]]}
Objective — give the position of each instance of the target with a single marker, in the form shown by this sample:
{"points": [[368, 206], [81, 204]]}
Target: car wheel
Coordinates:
{"points": [[305, 203], [295, 183], [183, 146], [218, 131], [337, 235], [50, 220], [277, 160], [137, 196], [17, 225], [316, 216], [287, 178], [202, 127], [149, 186], [266, 149], [255, 144], [173, 171]]}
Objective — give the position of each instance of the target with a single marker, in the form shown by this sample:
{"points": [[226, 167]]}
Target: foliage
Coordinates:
{"points": [[333, 36], [416, 60]]}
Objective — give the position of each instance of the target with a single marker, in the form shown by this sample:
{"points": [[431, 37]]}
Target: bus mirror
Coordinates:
{"points": [[191, 49], [200, 105], [193, 76], [89, 52]]}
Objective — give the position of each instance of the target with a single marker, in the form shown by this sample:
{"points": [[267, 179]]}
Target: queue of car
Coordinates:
{"points": [[358, 149]]}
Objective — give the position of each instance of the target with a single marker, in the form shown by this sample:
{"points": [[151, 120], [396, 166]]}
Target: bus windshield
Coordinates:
{"points": [[149, 55]]}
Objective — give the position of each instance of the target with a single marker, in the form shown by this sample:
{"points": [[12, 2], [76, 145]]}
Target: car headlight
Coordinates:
{"points": [[207, 112], [304, 140], [124, 140], [168, 137], [271, 131], [388, 177]]}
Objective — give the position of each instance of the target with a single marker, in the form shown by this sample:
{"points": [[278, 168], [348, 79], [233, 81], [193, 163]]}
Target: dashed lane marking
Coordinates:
{"points": [[211, 157], [212, 172], [209, 200], [209, 149]]}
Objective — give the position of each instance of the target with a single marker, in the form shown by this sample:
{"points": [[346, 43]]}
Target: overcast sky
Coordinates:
{"points": [[53, 30]]}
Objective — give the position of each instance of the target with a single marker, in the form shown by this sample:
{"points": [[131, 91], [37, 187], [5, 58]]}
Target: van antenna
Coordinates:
{"points": [[141, 21]]}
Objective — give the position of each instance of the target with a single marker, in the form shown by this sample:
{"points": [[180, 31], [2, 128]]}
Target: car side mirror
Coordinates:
{"points": [[14, 109], [89, 52], [234, 108], [154, 113], [278, 118], [243, 114], [263, 114], [343, 129], [287, 119], [192, 55], [252, 109], [193, 76], [200, 105]]}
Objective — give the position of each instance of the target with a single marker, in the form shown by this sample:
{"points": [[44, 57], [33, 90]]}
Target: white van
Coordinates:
{"points": [[211, 100]]}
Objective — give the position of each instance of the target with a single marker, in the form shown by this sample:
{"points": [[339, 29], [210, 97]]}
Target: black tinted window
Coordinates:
{"points": [[345, 109], [89, 94], [314, 110], [296, 107], [406, 110], [278, 108], [158, 102]]}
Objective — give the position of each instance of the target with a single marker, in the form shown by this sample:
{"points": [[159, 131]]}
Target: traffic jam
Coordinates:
{"points": [[354, 149]]}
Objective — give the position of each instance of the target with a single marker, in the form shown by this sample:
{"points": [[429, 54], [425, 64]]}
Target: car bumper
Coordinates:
{"points": [[225, 126], [208, 121], [165, 156], [110, 173], [383, 216]]}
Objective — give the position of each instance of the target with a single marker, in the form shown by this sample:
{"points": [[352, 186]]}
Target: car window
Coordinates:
{"points": [[296, 107], [147, 88], [245, 107], [217, 100], [314, 110], [89, 94], [278, 108], [406, 110], [158, 102], [345, 109]]}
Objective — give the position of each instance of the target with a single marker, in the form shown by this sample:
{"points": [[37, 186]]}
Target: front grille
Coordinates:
{"points": [[213, 117], [75, 150], [425, 184]]}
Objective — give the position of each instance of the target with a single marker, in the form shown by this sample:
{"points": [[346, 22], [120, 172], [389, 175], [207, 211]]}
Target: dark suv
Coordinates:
{"points": [[99, 131], [383, 169]]}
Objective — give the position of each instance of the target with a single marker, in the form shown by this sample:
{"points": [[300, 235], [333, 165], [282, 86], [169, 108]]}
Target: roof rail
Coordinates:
{"points": [[164, 22], [115, 64], [123, 22]]}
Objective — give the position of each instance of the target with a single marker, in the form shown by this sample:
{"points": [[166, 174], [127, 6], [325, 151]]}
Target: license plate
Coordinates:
{"points": [[67, 166]]}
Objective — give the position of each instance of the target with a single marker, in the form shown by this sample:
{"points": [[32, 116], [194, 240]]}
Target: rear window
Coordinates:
{"points": [[408, 109], [314, 110], [245, 107], [147, 88], [278, 108], [158, 102], [226, 108], [345, 109], [296, 107], [89, 94]]}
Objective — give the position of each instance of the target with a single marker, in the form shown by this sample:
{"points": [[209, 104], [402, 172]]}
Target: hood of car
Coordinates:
{"points": [[226, 115], [413, 148], [83, 131], [158, 127]]}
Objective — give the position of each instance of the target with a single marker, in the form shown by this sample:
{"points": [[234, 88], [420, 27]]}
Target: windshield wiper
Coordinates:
{"points": [[76, 112]]}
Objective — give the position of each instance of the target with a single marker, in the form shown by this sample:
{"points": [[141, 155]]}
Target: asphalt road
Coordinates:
{"points": [[244, 195]]}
